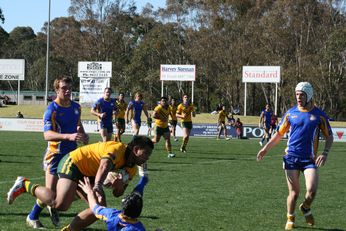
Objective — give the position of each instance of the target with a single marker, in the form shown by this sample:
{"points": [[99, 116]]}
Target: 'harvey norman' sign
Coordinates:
{"points": [[261, 74], [94, 69], [12, 69], [177, 72]]}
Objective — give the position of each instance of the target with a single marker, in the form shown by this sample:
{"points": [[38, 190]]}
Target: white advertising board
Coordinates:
{"points": [[94, 69], [177, 72], [12, 69], [261, 74], [91, 89]]}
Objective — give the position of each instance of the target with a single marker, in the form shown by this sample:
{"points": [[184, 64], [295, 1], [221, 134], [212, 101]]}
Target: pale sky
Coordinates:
{"points": [[34, 13]]}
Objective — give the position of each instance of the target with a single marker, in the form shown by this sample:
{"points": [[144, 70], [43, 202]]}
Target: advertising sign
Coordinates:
{"points": [[261, 74], [91, 89], [94, 69], [12, 69], [177, 72]]}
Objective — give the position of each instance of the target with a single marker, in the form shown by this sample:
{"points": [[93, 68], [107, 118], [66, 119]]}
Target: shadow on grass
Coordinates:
{"points": [[150, 217], [316, 228]]}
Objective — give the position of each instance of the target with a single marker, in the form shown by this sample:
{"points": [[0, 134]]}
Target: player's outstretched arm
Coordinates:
{"points": [[87, 188], [272, 142]]}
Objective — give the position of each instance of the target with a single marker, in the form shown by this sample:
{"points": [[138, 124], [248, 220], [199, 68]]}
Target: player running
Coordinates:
{"points": [[264, 122], [161, 115], [120, 117], [221, 123], [104, 108], [62, 129], [305, 121], [135, 107], [184, 112]]}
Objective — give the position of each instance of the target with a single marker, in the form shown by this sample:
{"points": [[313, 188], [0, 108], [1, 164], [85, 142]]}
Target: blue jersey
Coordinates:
{"points": [[105, 106], [115, 221], [267, 116], [137, 109], [62, 120], [305, 127]]}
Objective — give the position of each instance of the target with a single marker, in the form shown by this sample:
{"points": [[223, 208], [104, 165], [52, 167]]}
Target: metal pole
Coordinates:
{"points": [[193, 91], [161, 88], [245, 100], [276, 98], [47, 53]]}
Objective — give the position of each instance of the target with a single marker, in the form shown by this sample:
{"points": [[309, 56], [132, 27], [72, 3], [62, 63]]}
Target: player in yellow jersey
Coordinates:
{"points": [[174, 120], [94, 160], [121, 125], [221, 123], [185, 111], [161, 115]]}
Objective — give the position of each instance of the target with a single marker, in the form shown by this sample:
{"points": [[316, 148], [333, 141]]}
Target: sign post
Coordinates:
{"points": [[178, 73], [13, 69], [261, 74]]}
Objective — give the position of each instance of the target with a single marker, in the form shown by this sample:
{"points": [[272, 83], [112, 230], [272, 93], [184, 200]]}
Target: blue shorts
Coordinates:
{"points": [[107, 125], [296, 163], [51, 162]]}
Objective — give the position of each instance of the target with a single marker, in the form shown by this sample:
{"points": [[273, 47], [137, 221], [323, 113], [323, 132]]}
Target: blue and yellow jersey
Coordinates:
{"points": [[267, 116], [222, 116], [87, 158], [105, 106], [137, 107], [63, 120], [304, 127], [121, 105], [186, 111], [115, 221], [173, 109], [164, 114]]}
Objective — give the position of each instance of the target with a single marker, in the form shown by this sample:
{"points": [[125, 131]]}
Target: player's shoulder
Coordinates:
{"points": [[158, 107], [75, 104]]}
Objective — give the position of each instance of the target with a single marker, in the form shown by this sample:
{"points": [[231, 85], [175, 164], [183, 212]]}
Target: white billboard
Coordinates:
{"points": [[177, 72], [12, 69], [91, 89], [261, 74], [94, 69]]}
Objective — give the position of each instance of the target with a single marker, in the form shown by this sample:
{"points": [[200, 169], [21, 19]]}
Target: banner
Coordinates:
{"points": [[12, 69], [91, 89], [177, 72], [94, 69], [199, 130], [261, 74]]}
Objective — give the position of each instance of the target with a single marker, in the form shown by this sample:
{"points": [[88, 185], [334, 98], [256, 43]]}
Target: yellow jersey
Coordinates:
{"points": [[164, 114], [88, 157], [185, 111], [122, 105], [173, 109], [222, 116]]}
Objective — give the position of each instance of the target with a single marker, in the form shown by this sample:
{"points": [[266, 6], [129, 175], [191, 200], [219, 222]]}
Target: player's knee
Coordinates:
{"points": [[294, 195]]}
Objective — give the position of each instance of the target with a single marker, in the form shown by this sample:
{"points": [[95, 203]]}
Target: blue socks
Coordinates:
{"points": [[36, 211], [141, 184]]}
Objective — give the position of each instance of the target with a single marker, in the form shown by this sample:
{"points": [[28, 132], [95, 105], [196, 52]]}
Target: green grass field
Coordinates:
{"points": [[217, 185]]}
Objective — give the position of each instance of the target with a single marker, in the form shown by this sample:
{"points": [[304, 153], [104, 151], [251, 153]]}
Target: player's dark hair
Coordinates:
{"points": [[132, 205], [108, 88], [141, 141], [163, 97]]}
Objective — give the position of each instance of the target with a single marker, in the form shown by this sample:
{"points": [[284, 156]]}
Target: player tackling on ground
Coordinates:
{"points": [[305, 122]]}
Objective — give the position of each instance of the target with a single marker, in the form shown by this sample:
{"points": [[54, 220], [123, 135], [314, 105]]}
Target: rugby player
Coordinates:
{"points": [[221, 123], [174, 121], [264, 122], [121, 125]]}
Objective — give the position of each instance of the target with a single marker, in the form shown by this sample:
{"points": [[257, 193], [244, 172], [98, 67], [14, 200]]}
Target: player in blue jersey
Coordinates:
{"points": [[135, 107], [125, 219], [305, 122], [264, 122], [62, 129], [104, 108]]}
